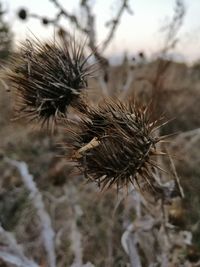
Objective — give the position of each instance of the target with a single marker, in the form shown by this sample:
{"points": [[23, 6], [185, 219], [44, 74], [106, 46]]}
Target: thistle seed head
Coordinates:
{"points": [[115, 145], [48, 78]]}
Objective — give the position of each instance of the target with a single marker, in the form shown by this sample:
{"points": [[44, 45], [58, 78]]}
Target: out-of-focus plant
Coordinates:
{"points": [[5, 36]]}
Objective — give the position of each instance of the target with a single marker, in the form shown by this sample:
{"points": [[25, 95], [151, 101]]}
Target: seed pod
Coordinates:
{"points": [[22, 14], [48, 78], [45, 21], [116, 145]]}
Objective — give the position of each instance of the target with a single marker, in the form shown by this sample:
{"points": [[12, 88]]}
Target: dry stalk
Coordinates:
{"points": [[45, 220], [14, 253], [92, 144]]}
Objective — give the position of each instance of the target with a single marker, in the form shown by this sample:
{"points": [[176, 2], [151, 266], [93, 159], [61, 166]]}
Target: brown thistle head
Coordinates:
{"points": [[115, 144], [48, 78]]}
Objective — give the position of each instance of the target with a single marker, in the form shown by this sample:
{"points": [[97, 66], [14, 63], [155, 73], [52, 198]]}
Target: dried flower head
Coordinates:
{"points": [[22, 14], [45, 21], [48, 78], [116, 145]]}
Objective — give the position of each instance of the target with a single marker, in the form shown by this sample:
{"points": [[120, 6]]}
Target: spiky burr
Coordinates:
{"points": [[115, 144], [48, 78]]}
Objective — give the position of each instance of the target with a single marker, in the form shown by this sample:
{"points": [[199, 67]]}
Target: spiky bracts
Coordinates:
{"points": [[48, 78], [116, 145]]}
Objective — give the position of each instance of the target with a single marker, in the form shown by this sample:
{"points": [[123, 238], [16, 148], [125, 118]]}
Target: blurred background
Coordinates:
{"points": [[141, 30], [147, 50]]}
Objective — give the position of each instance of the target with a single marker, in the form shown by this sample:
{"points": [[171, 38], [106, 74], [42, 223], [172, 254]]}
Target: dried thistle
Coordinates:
{"points": [[48, 78], [116, 145]]}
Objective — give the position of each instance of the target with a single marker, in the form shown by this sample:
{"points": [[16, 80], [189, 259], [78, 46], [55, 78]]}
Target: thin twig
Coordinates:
{"points": [[115, 22], [69, 16], [92, 144], [176, 177]]}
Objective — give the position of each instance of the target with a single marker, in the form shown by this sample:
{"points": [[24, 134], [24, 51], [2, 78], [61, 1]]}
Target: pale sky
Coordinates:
{"points": [[139, 32]]}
